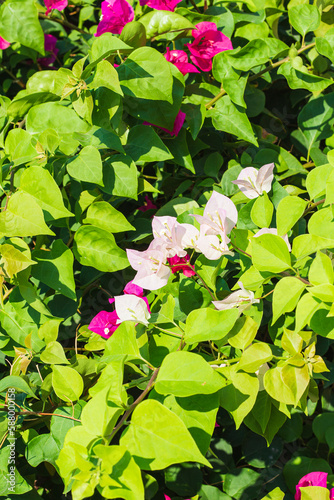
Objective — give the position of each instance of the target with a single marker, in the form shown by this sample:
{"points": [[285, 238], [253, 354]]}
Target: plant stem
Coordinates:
{"points": [[310, 208], [64, 23], [260, 73], [135, 403], [16, 80]]}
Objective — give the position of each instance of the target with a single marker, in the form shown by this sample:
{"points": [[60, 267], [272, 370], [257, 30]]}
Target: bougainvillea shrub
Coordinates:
{"points": [[167, 239]]}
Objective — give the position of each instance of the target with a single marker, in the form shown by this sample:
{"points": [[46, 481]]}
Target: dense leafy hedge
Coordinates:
{"points": [[210, 376]]}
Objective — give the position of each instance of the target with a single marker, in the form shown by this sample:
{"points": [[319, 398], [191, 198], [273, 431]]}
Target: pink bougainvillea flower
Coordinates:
{"points": [[181, 264], [273, 230], [3, 44], [148, 205], [169, 498], [220, 215], [180, 59], [208, 41], [311, 479], [115, 15], [132, 289], [49, 46], [253, 182], [104, 323], [160, 4], [179, 121], [242, 299], [55, 4]]}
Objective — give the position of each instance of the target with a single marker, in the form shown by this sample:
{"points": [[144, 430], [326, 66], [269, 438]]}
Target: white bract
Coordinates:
{"points": [[242, 299], [253, 182], [220, 215], [131, 308], [152, 273], [273, 230]]}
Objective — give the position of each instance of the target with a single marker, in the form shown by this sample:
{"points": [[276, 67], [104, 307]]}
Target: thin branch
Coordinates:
{"points": [[260, 73], [64, 23], [135, 403], [309, 209]]}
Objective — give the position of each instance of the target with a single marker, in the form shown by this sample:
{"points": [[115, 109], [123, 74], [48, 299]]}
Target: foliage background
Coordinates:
{"points": [[76, 164]]}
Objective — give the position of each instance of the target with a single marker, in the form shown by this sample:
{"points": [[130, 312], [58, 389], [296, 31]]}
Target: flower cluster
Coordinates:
{"points": [[131, 306], [171, 239], [313, 479], [167, 253]]}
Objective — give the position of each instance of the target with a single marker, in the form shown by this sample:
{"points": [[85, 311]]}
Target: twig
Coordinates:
{"points": [[260, 73], [309, 209], [135, 403], [64, 23]]}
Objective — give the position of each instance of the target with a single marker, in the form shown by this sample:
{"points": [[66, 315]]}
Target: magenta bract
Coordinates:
{"points": [[115, 15], [3, 44], [161, 4], [208, 42], [55, 4], [180, 59]]}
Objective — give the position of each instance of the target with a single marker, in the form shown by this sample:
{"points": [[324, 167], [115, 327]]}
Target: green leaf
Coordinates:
{"points": [[99, 416], [243, 333], [102, 47], [103, 215], [62, 119], [13, 260], [209, 324], [208, 270], [161, 22], [87, 166], [306, 244], [106, 76], [40, 449], [321, 424], [97, 248], [123, 343], [241, 482], [262, 211], [287, 383], [157, 438], [270, 253], [324, 46], [18, 383], [286, 296], [314, 493], [324, 292], [145, 145], [185, 374], [297, 467], [321, 270], [306, 307], [289, 211], [146, 74], [39, 183], [255, 356], [54, 354], [134, 34], [321, 223], [316, 119], [316, 180], [197, 412], [178, 146], [49, 330], [55, 268], [59, 426], [67, 383], [121, 476], [304, 18], [232, 119], [120, 177], [31, 295], [23, 217], [301, 79], [19, 23], [239, 396], [18, 146]]}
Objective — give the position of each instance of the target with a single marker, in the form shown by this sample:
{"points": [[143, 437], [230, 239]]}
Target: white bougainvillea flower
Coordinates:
{"points": [[253, 182], [242, 299], [164, 233], [212, 246], [152, 273], [186, 236], [220, 215], [131, 308], [273, 230]]}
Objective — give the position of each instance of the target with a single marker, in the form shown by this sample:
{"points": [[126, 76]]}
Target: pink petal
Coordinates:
{"points": [[311, 479], [115, 15], [168, 5], [55, 4], [3, 44], [104, 323], [179, 120], [201, 28], [132, 289]]}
